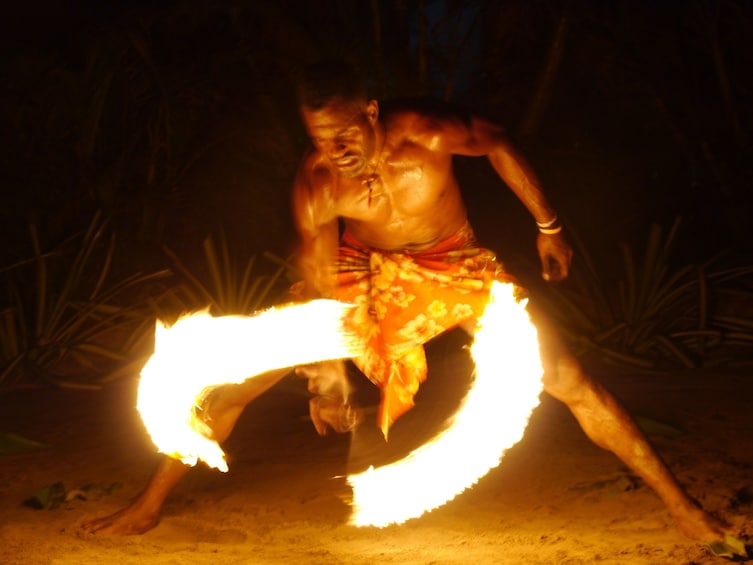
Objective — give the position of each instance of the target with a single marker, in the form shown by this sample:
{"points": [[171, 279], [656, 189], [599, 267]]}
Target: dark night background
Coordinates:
{"points": [[177, 120], [176, 117]]}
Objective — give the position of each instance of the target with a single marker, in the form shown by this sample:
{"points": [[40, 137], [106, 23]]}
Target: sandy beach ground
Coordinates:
{"points": [[555, 499]]}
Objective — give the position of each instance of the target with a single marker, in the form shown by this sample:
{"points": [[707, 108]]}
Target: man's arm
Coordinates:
{"points": [[316, 222], [554, 250], [478, 137]]}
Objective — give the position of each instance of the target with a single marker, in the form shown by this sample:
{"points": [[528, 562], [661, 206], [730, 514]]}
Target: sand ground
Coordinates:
{"points": [[555, 499]]}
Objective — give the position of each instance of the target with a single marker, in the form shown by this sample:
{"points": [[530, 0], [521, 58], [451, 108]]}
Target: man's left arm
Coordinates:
{"points": [[480, 137], [553, 248]]}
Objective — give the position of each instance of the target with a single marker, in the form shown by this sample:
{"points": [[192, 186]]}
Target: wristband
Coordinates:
{"points": [[551, 227]]}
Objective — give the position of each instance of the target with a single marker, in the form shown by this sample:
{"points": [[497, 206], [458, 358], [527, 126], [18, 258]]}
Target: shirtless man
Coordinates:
{"points": [[388, 178]]}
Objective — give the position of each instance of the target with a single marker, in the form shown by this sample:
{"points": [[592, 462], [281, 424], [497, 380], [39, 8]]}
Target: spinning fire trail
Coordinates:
{"points": [[201, 352]]}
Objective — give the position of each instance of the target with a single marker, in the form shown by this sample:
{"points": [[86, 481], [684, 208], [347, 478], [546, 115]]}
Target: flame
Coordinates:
{"points": [[200, 351], [491, 419]]}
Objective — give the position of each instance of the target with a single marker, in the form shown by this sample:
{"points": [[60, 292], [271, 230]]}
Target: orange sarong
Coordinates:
{"points": [[403, 300]]}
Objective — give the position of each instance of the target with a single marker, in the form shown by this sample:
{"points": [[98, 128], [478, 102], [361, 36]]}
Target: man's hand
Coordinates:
{"points": [[330, 406], [330, 411], [556, 255]]}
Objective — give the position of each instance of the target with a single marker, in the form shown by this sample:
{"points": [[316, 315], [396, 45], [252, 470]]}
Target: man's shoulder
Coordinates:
{"points": [[426, 108], [423, 120]]}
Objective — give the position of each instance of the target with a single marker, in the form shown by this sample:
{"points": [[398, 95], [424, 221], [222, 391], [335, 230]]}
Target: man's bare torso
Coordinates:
{"points": [[412, 199]]}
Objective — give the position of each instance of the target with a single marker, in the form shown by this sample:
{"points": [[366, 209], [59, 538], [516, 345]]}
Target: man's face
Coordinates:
{"points": [[343, 131]]}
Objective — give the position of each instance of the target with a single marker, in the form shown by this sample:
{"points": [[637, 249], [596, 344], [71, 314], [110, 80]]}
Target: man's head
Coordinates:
{"points": [[320, 82], [339, 117]]}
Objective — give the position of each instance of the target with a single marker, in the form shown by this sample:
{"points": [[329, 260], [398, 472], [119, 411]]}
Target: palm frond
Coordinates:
{"points": [[230, 286], [69, 312], [659, 314]]}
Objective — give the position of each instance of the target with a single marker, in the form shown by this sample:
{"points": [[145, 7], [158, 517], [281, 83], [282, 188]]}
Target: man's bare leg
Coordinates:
{"points": [[606, 422], [225, 406]]}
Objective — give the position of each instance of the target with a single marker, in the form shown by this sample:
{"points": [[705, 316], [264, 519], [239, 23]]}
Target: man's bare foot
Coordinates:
{"points": [[129, 521], [697, 524]]}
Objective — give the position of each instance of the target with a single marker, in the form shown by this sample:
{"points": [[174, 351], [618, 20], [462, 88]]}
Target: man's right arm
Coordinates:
{"points": [[316, 222]]}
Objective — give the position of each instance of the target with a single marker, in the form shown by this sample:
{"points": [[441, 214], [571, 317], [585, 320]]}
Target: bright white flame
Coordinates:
{"points": [[201, 351], [491, 419]]}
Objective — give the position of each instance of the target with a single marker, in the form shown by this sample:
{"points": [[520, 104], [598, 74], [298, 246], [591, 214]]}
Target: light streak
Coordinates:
{"points": [[491, 419], [201, 351]]}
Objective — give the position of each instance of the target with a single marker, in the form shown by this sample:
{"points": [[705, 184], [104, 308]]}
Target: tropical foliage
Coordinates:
{"points": [[656, 314], [229, 286], [65, 321]]}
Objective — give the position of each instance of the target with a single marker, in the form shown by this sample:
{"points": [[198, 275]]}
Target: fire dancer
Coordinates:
{"points": [[408, 258]]}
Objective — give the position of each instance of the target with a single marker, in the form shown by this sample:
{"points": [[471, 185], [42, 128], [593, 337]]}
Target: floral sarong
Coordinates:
{"points": [[404, 299]]}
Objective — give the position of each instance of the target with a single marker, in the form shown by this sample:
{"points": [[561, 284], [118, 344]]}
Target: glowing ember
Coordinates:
{"points": [[201, 351], [491, 419]]}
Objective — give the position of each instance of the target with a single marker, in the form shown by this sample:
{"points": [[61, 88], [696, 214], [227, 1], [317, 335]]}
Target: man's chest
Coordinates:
{"points": [[404, 184]]}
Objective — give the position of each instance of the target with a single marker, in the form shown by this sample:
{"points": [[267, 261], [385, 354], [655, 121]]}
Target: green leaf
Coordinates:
{"points": [[48, 497], [53, 495], [731, 548], [14, 443]]}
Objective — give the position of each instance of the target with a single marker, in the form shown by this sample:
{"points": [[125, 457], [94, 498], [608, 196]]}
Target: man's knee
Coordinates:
{"points": [[565, 379]]}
